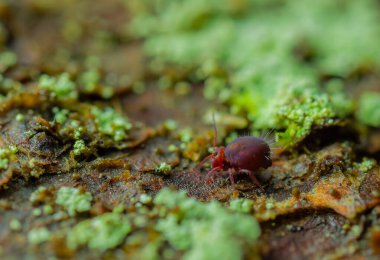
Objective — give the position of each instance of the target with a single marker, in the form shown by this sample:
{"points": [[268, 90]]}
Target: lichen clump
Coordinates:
{"points": [[170, 222], [39, 235], [204, 231], [110, 123], [6, 154], [369, 109], [163, 168], [73, 200], [60, 86], [101, 233]]}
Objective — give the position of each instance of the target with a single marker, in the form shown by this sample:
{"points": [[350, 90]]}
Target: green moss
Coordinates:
{"points": [[73, 200], [368, 109], [204, 231], [60, 86], [112, 124], [100, 233], [39, 235]]}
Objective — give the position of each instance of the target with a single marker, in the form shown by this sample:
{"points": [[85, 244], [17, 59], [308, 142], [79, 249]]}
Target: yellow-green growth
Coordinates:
{"points": [[241, 205], [60, 86], [39, 235], [204, 231], [163, 168], [73, 200], [112, 124], [100, 233], [60, 115], [79, 147], [369, 109], [6, 154]]}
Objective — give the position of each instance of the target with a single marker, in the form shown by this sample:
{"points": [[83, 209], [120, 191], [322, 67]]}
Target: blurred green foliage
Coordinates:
{"points": [[266, 58]]}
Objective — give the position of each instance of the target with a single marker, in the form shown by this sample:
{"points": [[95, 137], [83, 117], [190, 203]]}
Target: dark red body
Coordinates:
{"points": [[247, 153]]}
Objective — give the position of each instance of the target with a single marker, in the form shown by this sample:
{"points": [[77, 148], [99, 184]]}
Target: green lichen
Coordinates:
{"points": [[340, 102], [241, 205], [300, 115], [171, 124], [90, 82], [48, 209], [60, 115], [204, 231], [79, 147], [366, 165], [145, 199], [39, 235], [100, 233], [163, 168], [7, 59], [15, 225], [38, 195], [186, 135], [90, 79], [6, 154], [20, 117], [60, 86], [73, 200], [112, 124], [369, 110]]}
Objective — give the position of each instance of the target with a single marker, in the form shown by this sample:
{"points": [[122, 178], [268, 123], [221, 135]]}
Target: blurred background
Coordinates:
{"points": [[285, 65]]}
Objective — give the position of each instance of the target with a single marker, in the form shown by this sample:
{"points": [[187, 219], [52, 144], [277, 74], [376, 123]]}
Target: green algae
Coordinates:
{"points": [[73, 200]]}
